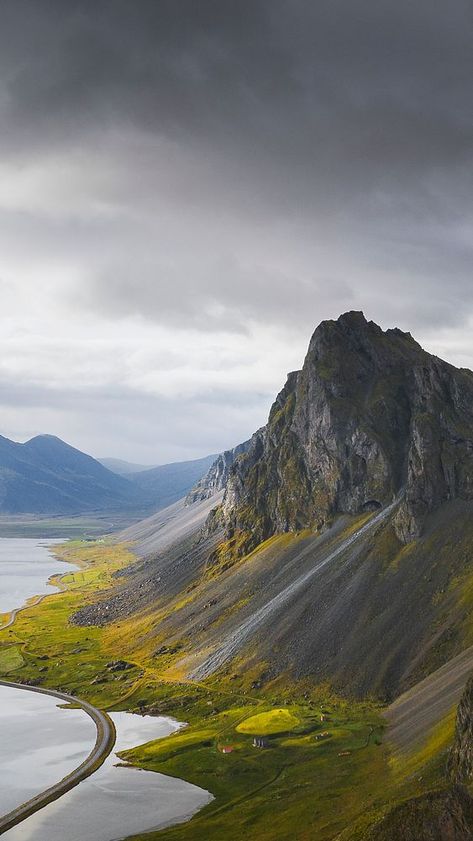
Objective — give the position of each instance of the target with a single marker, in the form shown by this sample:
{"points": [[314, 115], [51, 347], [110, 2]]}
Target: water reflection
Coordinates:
{"points": [[25, 566], [116, 801]]}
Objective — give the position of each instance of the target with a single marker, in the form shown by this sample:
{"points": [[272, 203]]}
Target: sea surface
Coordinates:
{"points": [[26, 564], [41, 743]]}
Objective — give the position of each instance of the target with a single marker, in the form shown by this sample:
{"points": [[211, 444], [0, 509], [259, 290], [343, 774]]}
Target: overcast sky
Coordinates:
{"points": [[187, 188]]}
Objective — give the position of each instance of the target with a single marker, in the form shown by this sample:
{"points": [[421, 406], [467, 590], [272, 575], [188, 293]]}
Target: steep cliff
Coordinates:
{"points": [[370, 415], [217, 475], [437, 816], [445, 814]]}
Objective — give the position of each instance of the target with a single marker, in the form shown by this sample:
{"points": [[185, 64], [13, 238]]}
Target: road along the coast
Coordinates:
{"points": [[103, 746]]}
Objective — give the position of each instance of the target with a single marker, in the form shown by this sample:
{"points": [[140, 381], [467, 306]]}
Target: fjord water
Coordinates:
{"points": [[26, 564], [115, 802], [40, 744]]}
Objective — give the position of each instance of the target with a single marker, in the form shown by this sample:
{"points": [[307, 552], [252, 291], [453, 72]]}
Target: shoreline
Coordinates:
{"points": [[54, 580], [104, 743]]}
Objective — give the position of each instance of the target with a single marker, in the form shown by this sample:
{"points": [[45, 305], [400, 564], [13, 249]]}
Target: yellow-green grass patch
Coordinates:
{"points": [[268, 723], [10, 659]]}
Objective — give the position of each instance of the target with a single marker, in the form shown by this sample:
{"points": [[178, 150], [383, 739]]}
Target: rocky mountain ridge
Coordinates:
{"points": [[369, 415], [371, 419], [218, 474]]}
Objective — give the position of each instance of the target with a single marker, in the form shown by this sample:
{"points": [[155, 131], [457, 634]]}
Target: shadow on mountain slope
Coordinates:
{"points": [[376, 619]]}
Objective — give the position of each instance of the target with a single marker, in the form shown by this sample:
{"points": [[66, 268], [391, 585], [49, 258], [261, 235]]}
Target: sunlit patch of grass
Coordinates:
{"points": [[10, 659], [313, 786], [272, 721]]}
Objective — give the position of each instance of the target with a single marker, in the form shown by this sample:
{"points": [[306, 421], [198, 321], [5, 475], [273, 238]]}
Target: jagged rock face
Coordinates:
{"points": [[460, 761], [370, 414], [217, 476], [437, 816]]}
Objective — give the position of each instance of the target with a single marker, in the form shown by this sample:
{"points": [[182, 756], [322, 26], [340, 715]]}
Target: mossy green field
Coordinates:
{"points": [[10, 659]]}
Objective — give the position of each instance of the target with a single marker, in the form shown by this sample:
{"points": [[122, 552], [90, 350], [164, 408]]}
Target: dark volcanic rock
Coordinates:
{"points": [[437, 816], [370, 414], [216, 478], [162, 575], [370, 417], [460, 761], [119, 666]]}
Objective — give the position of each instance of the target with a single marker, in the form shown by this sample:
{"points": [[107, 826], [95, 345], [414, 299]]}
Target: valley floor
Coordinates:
{"points": [[325, 771]]}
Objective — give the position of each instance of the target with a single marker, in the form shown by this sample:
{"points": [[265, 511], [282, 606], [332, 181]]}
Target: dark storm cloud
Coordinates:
{"points": [[339, 95], [294, 75], [318, 101], [231, 167]]}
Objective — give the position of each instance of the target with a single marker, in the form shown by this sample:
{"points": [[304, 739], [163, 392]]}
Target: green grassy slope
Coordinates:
{"points": [[301, 786]]}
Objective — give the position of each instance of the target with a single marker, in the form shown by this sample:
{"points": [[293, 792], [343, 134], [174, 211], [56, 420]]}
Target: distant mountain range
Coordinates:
{"points": [[46, 476], [123, 468], [170, 482]]}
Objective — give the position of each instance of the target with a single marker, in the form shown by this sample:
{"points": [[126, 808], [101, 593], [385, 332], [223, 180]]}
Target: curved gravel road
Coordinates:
{"points": [[103, 746]]}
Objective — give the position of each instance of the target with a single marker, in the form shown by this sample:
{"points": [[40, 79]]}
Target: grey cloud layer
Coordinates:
{"points": [[217, 166], [335, 119]]}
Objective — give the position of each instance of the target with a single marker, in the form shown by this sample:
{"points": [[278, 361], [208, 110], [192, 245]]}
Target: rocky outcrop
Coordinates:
{"points": [[440, 815], [460, 761], [217, 476], [369, 416], [436, 816]]}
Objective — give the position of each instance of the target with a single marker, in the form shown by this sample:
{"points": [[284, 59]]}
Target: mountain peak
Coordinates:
{"points": [[353, 318], [47, 476], [45, 437], [370, 414], [353, 334]]}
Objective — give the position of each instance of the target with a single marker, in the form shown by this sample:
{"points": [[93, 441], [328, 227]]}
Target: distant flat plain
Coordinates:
{"points": [[79, 527]]}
